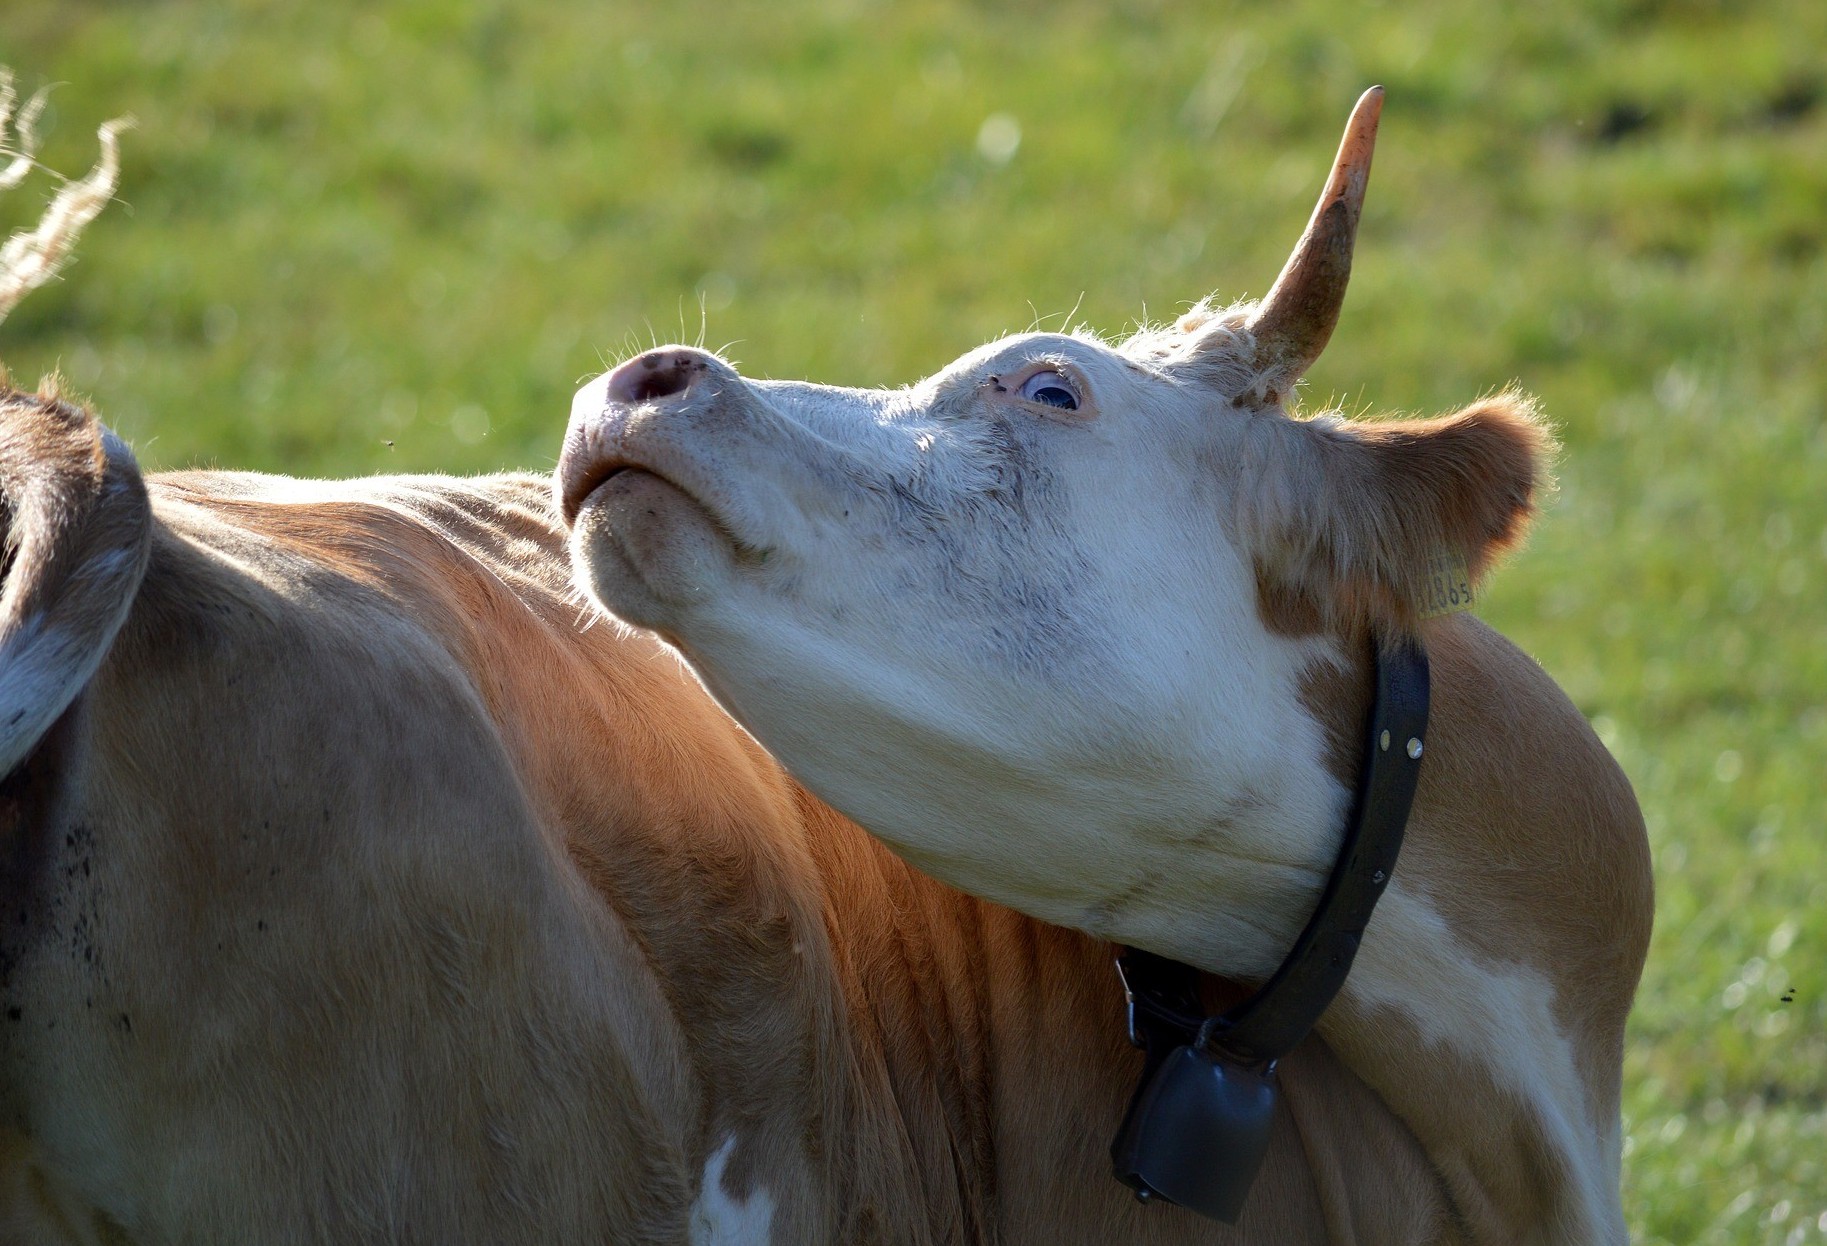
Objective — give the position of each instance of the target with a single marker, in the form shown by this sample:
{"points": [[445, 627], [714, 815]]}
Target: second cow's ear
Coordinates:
{"points": [[1355, 523]]}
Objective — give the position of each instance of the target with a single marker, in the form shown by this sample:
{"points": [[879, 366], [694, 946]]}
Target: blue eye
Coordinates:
{"points": [[1051, 389]]}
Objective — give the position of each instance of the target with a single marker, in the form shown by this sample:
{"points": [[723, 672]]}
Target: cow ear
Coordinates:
{"points": [[1387, 523]]}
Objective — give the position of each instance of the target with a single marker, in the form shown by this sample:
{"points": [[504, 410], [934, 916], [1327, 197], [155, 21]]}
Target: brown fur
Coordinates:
{"points": [[1559, 880], [390, 901], [1344, 515], [1559, 884]]}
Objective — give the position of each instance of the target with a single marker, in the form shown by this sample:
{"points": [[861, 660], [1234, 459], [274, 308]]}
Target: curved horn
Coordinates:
{"points": [[1293, 323]]}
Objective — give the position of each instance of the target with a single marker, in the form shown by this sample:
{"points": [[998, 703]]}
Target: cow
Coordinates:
{"points": [[358, 887], [358, 883], [1088, 629]]}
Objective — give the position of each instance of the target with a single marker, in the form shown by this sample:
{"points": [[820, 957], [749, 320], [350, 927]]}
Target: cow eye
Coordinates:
{"points": [[1050, 388]]}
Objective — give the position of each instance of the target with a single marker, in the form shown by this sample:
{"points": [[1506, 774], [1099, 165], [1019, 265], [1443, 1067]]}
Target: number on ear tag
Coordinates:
{"points": [[1448, 586]]}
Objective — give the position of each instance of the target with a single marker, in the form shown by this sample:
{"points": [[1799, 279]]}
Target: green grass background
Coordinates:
{"points": [[394, 236]]}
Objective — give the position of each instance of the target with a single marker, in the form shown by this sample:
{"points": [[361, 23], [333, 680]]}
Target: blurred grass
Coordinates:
{"points": [[394, 237]]}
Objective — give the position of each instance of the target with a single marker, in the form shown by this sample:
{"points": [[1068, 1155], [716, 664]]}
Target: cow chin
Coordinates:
{"points": [[647, 550]]}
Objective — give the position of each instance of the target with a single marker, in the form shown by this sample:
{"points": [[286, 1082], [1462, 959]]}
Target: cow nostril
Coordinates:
{"points": [[658, 380], [656, 374]]}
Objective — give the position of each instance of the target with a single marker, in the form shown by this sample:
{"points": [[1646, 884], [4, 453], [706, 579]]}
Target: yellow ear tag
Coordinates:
{"points": [[1448, 588]]}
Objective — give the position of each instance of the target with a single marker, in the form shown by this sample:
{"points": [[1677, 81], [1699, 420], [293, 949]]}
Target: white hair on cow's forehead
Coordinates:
{"points": [[1201, 327], [1211, 342]]}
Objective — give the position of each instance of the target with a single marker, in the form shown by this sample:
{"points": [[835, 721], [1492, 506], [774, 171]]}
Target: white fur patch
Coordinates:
{"points": [[1501, 1018], [719, 1220]]}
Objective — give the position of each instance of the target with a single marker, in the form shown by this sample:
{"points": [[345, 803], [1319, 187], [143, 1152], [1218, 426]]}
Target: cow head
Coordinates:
{"points": [[1041, 620]]}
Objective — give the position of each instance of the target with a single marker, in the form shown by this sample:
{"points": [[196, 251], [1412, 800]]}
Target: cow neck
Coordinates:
{"points": [[1164, 1009]]}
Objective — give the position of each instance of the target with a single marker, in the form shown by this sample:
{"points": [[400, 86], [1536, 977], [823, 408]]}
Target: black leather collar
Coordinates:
{"points": [[1208, 1084]]}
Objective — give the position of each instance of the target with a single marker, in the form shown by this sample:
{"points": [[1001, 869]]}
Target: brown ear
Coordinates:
{"points": [[1350, 522]]}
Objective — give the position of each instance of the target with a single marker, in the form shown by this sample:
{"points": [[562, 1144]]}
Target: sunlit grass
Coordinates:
{"points": [[395, 238]]}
